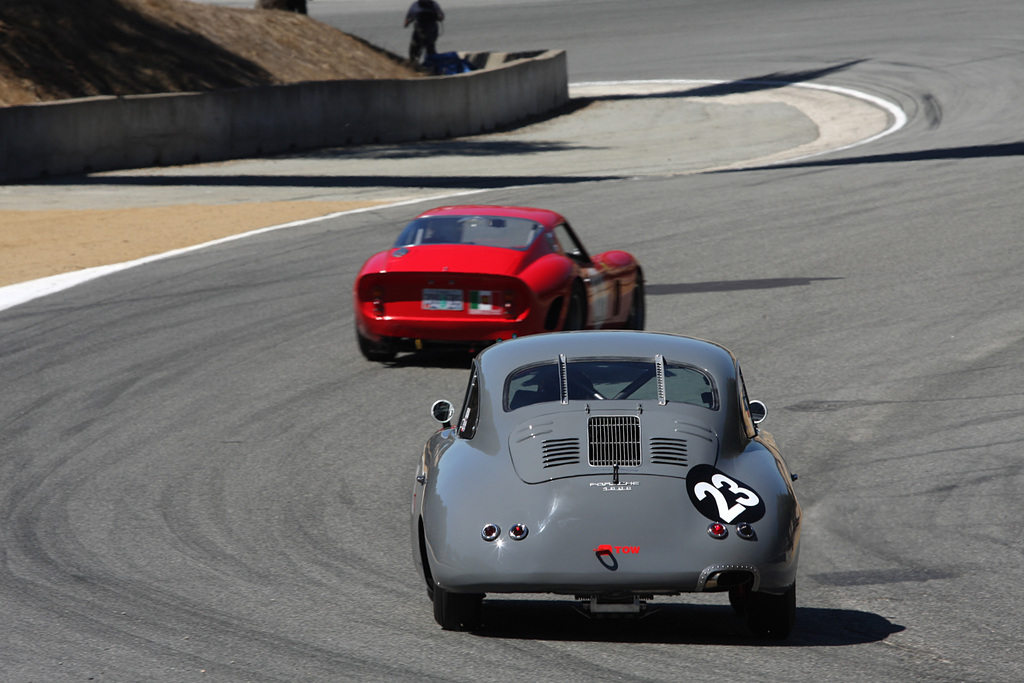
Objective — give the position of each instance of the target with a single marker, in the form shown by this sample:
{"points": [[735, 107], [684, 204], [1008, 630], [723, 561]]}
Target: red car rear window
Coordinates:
{"points": [[488, 231]]}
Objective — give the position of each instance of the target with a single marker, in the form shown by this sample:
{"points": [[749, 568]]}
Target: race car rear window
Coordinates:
{"points": [[612, 379], [488, 231]]}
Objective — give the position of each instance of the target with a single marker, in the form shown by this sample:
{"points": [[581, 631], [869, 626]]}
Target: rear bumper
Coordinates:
{"points": [[669, 583], [446, 330], [647, 541]]}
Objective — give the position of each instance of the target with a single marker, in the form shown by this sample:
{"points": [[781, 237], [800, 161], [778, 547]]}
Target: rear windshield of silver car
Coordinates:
{"points": [[489, 231], [603, 379]]}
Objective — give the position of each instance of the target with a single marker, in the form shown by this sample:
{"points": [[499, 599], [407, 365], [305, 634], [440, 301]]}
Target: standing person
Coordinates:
{"points": [[427, 15]]}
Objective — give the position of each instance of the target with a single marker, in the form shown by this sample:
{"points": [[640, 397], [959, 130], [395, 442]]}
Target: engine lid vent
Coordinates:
{"points": [[665, 451], [557, 452], [614, 440]]}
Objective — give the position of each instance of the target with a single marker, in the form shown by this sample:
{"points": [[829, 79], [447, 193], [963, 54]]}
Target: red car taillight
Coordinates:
{"points": [[377, 300], [509, 298]]}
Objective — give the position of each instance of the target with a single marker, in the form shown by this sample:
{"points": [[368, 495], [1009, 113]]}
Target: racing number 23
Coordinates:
{"points": [[745, 498]]}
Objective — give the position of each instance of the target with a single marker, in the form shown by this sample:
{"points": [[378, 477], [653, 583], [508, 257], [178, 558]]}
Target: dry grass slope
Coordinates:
{"points": [[61, 49]]}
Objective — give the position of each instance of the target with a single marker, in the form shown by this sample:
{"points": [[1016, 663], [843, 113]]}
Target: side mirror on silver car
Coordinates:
{"points": [[443, 411], [758, 412]]}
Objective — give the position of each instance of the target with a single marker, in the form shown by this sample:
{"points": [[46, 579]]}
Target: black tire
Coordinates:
{"points": [[738, 600], [457, 611], [576, 315], [771, 616], [638, 307], [372, 351], [425, 561]]}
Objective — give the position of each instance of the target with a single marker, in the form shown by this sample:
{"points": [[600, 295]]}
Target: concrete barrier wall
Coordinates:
{"points": [[108, 133]]}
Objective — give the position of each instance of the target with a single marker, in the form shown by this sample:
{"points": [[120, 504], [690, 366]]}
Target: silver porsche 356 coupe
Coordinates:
{"points": [[612, 466]]}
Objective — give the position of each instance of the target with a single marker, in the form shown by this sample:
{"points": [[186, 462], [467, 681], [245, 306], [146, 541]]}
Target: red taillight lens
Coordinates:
{"points": [[377, 300], [717, 530], [490, 532], [518, 532]]}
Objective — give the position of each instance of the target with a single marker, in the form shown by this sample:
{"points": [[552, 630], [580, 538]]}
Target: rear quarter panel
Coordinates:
{"points": [[763, 469], [611, 293], [549, 276]]}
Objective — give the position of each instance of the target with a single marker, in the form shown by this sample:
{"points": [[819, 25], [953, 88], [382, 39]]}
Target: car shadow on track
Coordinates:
{"points": [[674, 623], [771, 81], [1010, 149], [731, 285], [458, 359]]}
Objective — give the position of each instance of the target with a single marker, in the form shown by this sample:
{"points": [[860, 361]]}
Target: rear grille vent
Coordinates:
{"points": [[668, 451], [558, 452], [614, 440]]}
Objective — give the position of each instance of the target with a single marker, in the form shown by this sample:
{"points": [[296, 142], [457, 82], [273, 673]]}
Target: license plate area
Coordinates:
{"points": [[442, 300], [485, 302]]}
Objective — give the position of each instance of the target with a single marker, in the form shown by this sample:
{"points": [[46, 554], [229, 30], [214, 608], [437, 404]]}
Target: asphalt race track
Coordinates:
{"points": [[202, 479]]}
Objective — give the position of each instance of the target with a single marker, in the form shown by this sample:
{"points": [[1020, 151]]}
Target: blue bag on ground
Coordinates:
{"points": [[447, 64]]}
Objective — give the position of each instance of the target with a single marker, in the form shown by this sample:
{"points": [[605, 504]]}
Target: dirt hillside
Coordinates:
{"points": [[60, 49]]}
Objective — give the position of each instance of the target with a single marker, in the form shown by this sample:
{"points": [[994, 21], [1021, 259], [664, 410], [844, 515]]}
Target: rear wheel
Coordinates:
{"points": [[638, 308], [576, 316], [457, 611], [771, 616], [738, 600], [378, 352]]}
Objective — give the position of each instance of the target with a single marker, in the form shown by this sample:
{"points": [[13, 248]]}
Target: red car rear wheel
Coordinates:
{"points": [[638, 308], [576, 315], [378, 352]]}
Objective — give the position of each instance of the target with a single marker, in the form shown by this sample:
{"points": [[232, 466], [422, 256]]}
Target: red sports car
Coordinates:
{"points": [[470, 275]]}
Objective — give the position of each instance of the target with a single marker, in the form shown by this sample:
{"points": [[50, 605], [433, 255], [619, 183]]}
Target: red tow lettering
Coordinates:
{"points": [[605, 549]]}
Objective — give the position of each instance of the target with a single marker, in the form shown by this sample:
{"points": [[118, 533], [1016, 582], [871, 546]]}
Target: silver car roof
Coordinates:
{"points": [[499, 360]]}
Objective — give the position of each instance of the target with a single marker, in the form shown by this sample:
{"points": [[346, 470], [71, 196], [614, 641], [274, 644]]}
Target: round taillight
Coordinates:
{"points": [[717, 530], [490, 532], [518, 532], [745, 531]]}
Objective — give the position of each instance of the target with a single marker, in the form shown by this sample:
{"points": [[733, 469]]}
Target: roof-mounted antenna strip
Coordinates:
{"points": [[659, 372], [563, 377]]}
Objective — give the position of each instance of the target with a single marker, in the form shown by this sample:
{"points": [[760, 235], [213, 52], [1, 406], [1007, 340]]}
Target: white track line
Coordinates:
{"points": [[899, 117], [13, 295]]}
